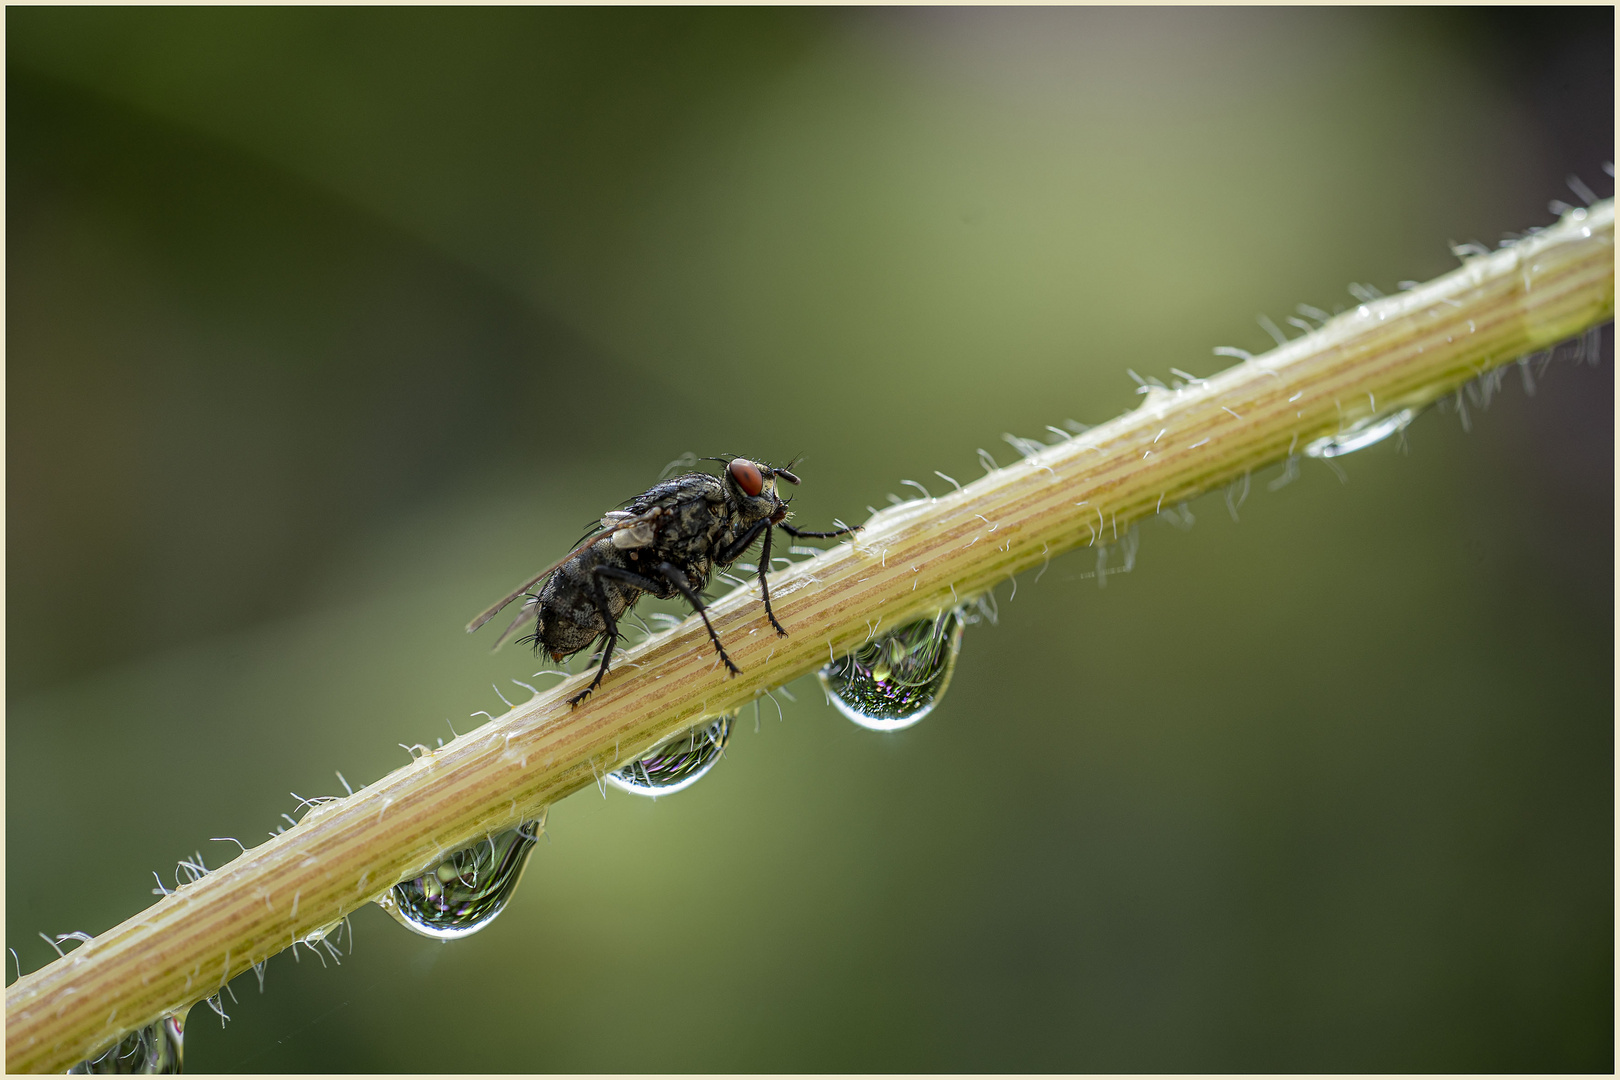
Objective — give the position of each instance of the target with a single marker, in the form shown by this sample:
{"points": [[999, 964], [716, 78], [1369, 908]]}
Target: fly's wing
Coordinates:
{"points": [[494, 609], [530, 611]]}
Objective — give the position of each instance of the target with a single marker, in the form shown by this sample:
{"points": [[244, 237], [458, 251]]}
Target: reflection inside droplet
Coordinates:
{"points": [[1360, 435], [156, 1048], [465, 892], [678, 763], [896, 679]]}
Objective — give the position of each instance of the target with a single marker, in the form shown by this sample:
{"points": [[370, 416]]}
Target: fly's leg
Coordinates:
{"points": [[684, 587], [764, 590], [765, 562], [804, 534], [729, 554], [734, 550], [612, 632]]}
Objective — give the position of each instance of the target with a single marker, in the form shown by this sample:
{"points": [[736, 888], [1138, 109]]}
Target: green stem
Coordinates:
{"points": [[1400, 352]]}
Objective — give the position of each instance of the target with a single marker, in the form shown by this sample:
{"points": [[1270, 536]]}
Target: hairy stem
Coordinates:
{"points": [[1400, 352]]}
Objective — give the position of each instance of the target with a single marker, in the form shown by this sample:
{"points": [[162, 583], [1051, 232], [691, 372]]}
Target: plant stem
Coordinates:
{"points": [[1399, 352]]}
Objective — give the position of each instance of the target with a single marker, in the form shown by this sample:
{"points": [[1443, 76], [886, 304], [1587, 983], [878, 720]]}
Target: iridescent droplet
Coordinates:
{"points": [[896, 679], [156, 1048], [677, 764], [1360, 435], [465, 892]]}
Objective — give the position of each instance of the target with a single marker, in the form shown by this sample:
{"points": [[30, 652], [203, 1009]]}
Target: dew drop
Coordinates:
{"points": [[465, 892], [677, 764], [156, 1048], [1360, 435], [896, 679]]}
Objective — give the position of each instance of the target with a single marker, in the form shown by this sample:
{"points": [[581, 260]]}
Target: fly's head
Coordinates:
{"points": [[751, 487]]}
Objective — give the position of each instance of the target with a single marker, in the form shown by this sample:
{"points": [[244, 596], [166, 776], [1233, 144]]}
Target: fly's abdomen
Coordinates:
{"points": [[570, 617]]}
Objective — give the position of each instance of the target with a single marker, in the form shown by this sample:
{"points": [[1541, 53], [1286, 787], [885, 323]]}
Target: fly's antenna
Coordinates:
{"points": [[786, 473]]}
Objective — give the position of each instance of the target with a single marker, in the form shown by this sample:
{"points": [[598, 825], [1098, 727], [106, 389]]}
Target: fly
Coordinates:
{"points": [[664, 543]]}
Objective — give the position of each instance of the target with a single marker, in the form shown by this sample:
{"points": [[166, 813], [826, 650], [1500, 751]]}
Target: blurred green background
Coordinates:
{"points": [[325, 326]]}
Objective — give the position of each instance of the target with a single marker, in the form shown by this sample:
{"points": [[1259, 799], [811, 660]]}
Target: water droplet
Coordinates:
{"points": [[896, 679], [465, 892], [678, 763], [1360, 435], [156, 1048]]}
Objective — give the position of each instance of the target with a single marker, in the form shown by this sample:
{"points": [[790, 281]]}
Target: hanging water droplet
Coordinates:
{"points": [[465, 892], [678, 763], [896, 679], [1360, 435], [156, 1048]]}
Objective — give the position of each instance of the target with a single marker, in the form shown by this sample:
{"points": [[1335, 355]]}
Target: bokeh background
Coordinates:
{"points": [[325, 326]]}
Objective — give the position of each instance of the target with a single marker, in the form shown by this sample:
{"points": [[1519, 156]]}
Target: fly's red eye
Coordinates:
{"points": [[747, 475]]}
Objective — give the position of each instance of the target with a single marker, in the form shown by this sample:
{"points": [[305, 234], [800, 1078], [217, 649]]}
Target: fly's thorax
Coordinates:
{"points": [[698, 571], [689, 530], [677, 492]]}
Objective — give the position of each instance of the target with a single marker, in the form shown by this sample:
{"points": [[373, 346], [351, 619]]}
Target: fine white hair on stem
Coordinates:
{"points": [[1271, 328], [919, 487]]}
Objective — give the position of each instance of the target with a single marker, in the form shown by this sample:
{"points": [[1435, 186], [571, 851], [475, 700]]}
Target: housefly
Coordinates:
{"points": [[665, 542]]}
